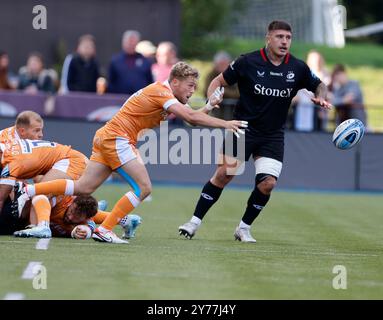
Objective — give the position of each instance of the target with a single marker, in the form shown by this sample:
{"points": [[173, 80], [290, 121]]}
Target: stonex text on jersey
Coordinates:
{"points": [[260, 89], [266, 90]]}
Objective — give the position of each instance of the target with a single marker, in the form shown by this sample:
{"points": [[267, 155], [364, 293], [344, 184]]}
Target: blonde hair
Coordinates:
{"points": [[181, 70]]}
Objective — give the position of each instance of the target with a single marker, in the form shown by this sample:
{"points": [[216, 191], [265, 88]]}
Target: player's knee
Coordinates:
{"points": [[267, 184], [145, 190], [39, 198], [221, 178]]}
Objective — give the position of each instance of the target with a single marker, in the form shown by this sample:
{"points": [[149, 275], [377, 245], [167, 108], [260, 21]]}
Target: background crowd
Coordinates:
{"points": [[140, 63]]}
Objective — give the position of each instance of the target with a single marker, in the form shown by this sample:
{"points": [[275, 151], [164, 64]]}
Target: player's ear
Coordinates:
{"points": [[267, 38], [175, 82], [22, 132]]}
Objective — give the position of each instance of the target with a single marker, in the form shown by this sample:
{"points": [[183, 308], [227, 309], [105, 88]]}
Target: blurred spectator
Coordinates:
{"points": [[64, 74], [81, 71], [33, 77], [307, 117], [221, 61], [129, 70], [101, 85], [5, 81], [347, 96], [147, 49], [166, 57]]}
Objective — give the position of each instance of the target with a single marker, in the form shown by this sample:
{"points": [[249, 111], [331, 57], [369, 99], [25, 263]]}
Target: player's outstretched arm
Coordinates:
{"points": [[215, 93], [217, 82], [214, 100], [320, 97], [197, 118]]}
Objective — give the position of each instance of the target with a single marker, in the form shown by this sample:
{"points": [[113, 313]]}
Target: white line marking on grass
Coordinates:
{"points": [[14, 296], [43, 244], [28, 272], [12, 241]]}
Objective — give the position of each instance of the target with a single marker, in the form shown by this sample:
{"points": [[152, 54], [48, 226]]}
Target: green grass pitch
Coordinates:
{"points": [[300, 238]]}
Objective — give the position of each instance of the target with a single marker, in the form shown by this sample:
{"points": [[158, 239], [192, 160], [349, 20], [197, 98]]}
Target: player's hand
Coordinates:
{"points": [[236, 125], [322, 102], [80, 232], [215, 98]]}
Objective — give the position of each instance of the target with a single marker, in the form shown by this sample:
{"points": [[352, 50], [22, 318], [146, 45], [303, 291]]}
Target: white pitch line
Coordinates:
{"points": [[14, 296], [29, 272], [43, 244]]}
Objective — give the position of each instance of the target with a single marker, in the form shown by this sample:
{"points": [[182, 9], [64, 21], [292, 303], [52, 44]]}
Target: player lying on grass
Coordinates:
{"points": [[76, 217], [67, 216], [26, 159], [114, 145]]}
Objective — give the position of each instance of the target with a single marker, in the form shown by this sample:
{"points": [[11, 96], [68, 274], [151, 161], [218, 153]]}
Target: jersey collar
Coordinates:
{"points": [[166, 84], [266, 59]]}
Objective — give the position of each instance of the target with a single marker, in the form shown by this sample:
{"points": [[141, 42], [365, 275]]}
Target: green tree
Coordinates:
{"points": [[360, 13], [202, 18]]}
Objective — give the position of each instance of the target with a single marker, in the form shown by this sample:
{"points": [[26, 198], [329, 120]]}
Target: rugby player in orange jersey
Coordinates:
{"points": [[26, 159], [72, 216], [68, 212], [114, 145], [28, 125]]}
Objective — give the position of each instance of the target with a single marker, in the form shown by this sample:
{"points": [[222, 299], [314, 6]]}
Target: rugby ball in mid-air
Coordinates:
{"points": [[348, 134]]}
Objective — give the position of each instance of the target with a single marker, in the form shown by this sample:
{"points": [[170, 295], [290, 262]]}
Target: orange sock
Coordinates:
{"points": [[42, 208], [100, 216], [123, 206], [55, 187]]}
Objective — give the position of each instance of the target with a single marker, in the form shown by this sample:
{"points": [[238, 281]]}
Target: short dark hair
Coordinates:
{"points": [[86, 37], [37, 55], [279, 25], [24, 118], [86, 204], [339, 68]]}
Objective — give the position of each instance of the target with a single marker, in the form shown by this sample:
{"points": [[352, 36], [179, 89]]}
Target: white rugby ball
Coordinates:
{"points": [[348, 134]]}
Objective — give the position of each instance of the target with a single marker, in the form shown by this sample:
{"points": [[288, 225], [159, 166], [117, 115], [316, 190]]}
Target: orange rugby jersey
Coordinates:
{"points": [[143, 110], [57, 224], [25, 159], [8, 134]]}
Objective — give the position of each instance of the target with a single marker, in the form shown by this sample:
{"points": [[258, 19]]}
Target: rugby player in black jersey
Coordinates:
{"points": [[267, 80]]}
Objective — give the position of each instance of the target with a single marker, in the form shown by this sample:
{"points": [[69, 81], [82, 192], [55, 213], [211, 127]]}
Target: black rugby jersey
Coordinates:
{"points": [[266, 90]]}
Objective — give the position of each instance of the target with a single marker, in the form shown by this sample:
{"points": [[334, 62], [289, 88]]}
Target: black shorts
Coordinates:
{"points": [[9, 218], [256, 144]]}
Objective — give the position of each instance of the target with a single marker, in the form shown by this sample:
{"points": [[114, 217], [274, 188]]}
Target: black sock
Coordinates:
{"points": [[209, 195], [255, 204]]}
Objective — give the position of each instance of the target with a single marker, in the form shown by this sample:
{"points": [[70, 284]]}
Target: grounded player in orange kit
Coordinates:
{"points": [[26, 159], [67, 213], [114, 145]]}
